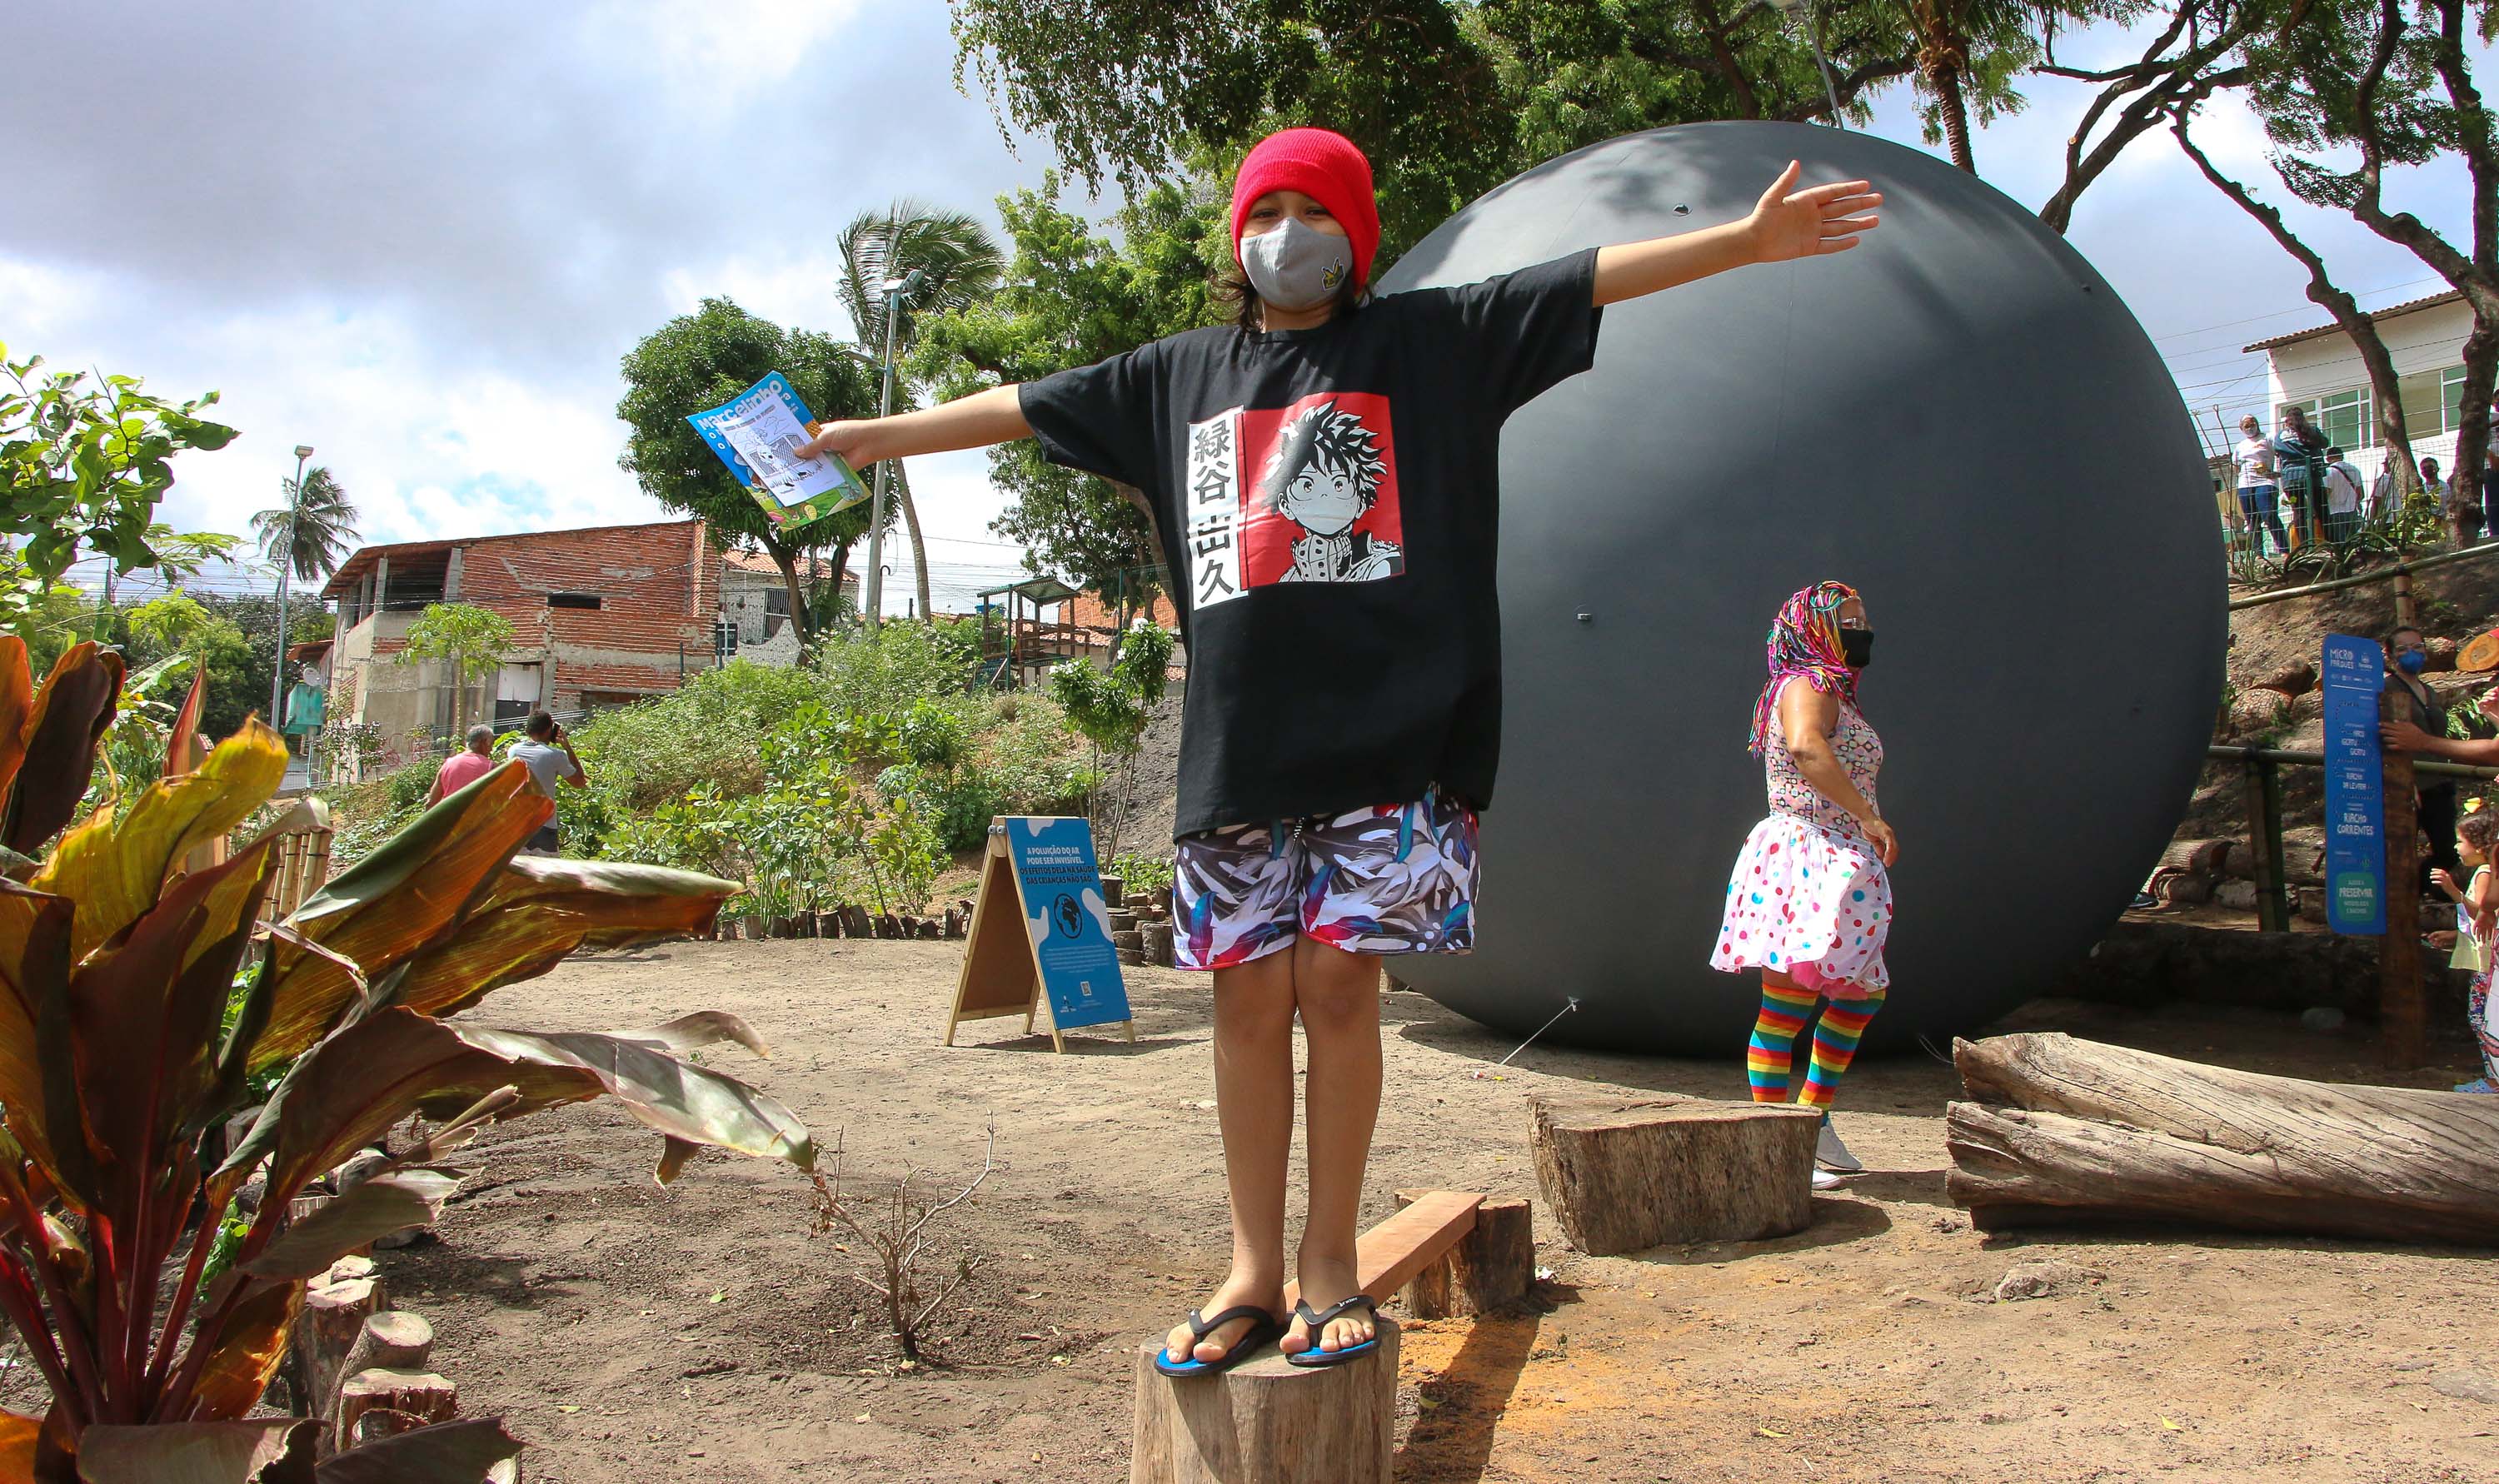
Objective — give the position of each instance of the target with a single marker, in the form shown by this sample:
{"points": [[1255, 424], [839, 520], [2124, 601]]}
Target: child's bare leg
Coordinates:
{"points": [[1253, 1103], [1338, 994]]}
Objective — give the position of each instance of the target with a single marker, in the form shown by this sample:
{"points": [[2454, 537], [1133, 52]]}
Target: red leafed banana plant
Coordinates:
{"points": [[116, 968]]}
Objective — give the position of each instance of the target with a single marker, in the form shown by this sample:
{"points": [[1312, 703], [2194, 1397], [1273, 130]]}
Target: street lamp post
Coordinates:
{"points": [[893, 290], [285, 565]]}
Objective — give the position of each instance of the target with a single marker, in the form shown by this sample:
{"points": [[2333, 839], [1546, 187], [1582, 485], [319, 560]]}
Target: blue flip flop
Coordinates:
{"points": [[1266, 1329], [1316, 1359]]}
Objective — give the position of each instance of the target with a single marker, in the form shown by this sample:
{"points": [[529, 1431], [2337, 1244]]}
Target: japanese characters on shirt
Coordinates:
{"points": [[1303, 492]]}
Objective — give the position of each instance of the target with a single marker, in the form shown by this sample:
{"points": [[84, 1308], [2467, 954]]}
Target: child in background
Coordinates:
{"points": [[2476, 905]]}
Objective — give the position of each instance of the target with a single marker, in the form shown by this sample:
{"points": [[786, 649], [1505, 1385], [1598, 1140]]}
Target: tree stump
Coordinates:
{"points": [[2104, 1133], [1487, 1271], [1156, 938], [394, 1340], [1626, 1174], [420, 1394], [1268, 1421], [336, 1306]]}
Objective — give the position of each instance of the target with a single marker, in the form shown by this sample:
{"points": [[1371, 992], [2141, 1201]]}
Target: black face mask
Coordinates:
{"points": [[1857, 647]]}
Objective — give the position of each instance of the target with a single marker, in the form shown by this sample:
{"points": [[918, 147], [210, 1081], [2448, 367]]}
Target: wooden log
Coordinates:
{"points": [[1624, 1174], [1268, 1421], [1157, 939], [1485, 1272], [421, 1394], [394, 1340], [2087, 1132], [334, 1310]]}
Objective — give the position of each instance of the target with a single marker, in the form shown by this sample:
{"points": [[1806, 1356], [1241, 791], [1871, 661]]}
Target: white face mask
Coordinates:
{"points": [[1295, 267]]}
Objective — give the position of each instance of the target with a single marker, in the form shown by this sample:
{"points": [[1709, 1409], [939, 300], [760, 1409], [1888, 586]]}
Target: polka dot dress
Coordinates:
{"points": [[1809, 897]]}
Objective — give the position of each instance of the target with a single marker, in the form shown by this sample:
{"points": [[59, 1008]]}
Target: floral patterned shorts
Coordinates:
{"points": [[1392, 879]]}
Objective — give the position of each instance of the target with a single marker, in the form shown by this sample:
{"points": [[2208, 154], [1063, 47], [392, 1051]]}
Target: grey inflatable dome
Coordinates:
{"points": [[1960, 418]]}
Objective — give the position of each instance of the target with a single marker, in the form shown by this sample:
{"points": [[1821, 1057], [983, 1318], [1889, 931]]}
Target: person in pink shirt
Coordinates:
{"points": [[463, 768]]}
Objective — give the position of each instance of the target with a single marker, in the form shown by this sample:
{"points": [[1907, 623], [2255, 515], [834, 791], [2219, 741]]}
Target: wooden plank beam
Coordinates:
{"points": [[1387, 1257]]}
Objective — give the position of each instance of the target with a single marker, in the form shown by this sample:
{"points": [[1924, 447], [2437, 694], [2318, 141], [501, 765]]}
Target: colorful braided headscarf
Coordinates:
{"points": [[1804, 641]]}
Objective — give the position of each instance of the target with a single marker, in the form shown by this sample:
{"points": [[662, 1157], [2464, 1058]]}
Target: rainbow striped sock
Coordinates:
{"points": [[1766, 1060], [1834, 1044]]}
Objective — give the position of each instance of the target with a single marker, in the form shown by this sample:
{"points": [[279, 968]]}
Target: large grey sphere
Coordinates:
{"points": [[1960, 418]]}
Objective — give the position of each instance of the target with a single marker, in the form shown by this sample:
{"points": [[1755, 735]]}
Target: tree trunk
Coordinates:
{"points": [[336, 1306], [919, 548], [1625, 1173], [2346, 311], [2473, 434], [1488, 1270], [841, 568], [1956, 117], [2103, 1133], [420, 1395], [785, 558], [1269, 1420]]}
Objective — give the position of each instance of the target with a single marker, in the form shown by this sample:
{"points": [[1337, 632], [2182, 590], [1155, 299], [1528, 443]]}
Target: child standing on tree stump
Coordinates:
{"points": [[1323, 480]]}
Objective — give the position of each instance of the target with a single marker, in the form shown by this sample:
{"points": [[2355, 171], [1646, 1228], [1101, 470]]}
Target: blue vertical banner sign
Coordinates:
{"points": [[1068, 920], [2355, 809]]}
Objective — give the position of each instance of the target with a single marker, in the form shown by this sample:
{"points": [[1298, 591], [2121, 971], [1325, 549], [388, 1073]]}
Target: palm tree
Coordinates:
{"points": [[1969, 53], [959, 265], [317, 530]]}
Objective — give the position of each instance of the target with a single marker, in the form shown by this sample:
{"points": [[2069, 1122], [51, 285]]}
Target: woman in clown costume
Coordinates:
{"points": [[1809, 904]]}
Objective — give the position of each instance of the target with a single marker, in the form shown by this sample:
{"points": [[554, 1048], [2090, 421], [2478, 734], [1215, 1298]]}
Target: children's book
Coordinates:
{"points": [[757, 433]]}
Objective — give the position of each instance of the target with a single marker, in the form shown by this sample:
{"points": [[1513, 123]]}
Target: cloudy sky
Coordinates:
{"points": [[420, 238]]}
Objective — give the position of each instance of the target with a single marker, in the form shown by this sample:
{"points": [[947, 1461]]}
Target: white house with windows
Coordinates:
{"points": [[2320, 370]]}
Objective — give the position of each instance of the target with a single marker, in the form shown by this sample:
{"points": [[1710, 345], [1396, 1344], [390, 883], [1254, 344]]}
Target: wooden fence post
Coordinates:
{"points": [[2403, 1001]]}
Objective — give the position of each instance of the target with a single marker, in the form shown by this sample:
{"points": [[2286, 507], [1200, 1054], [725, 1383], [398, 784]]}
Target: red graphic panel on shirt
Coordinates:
{"points": [[1303, 492]]}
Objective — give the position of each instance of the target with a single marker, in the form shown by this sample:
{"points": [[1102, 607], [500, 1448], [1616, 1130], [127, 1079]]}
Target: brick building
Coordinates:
{"points": [[601, 617]]}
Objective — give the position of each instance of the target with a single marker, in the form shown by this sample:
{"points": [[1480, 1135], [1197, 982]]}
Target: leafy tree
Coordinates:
{"points": [[2195, 55], [84, 464], [703, 359], [2385, 84], [958, 266], [317, 526], [470, 640], [1071, 297], [1447, 98]]}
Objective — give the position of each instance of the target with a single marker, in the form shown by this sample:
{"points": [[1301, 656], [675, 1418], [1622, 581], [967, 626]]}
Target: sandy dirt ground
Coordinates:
{"points": [[706, 1332]]}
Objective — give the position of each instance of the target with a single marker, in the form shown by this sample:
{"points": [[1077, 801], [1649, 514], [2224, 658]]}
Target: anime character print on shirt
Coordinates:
{"points": [[1305, 493]]}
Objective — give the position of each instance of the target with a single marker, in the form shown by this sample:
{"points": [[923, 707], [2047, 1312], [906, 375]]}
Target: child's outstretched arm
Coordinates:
{"points": [[1786, 223], [976, 421]]}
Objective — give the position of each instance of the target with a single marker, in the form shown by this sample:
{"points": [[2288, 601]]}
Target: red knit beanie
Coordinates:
{"points": [[1325, 165]]}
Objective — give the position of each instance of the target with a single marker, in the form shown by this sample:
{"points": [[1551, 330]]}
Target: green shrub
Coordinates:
{"points": [[882, 673], [1035, 761], [407, 789], [958, 803], [711, 733], [1142, 873]]}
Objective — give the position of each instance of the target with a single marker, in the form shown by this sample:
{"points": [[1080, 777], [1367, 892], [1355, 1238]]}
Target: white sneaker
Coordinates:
{"points": [[1831, 1154], [1824, 1180]]}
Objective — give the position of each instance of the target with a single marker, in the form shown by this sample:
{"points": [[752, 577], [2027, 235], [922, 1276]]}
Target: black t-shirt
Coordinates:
{"points": [[1328, 502]]}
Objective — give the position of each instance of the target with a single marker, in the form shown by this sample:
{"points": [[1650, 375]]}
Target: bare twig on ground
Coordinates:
{"points": [[897, 1234]]}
